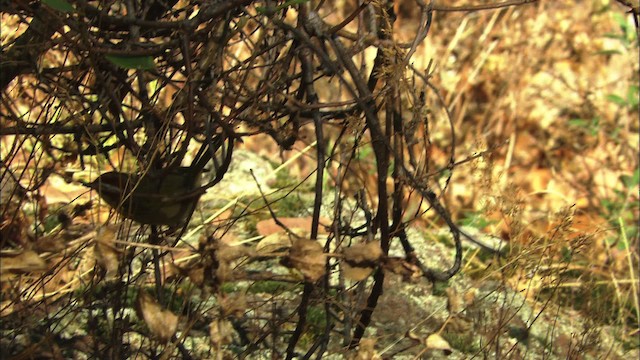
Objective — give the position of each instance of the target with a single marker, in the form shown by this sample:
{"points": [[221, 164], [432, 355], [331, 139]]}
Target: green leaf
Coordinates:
{"points": [[476, 220], [579, 122], [617, 99], [621, 246], [608, 205], [262, 10], [567, 254], [608, 52], [632, 96], [60, 5], [133, 62], [612, 240], [614, 36], [621, 20], [631, 180]]}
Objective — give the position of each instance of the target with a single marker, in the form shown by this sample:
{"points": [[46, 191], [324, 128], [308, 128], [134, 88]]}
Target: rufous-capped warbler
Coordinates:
{"points": [[165, 196]]}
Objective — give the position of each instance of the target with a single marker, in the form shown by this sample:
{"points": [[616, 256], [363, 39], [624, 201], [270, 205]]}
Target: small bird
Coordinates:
{"points": [[153, 199], [162, 197]]}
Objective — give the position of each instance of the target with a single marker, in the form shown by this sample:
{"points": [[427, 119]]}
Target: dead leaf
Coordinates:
{"points": [[269, 226], [14, 224], [437, 342], [220, 333], [273, 243], [51, 243], [105, 251], [308, 257], [360, 260], [458, 324], [11, 189], [233, 305], [162, 323], [224, 272], [366, 254], [454, 301], [196, 275], [470, 297], [355, 273], [367, 350], [402, 267], [227, 253], [57, 190], [7, 307], [26, 262]]}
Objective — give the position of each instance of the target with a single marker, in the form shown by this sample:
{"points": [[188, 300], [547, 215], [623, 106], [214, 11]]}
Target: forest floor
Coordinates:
{"points": [[548, 95]]}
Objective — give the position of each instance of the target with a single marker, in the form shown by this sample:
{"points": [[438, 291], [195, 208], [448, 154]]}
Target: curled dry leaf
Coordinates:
{"points": [[454, 301], [308, 257], [437, 342], [7, 307], [470, 297], [413, 336], [273, 243], [196, 275], [366, 350], [360, 260], [11, 188], [355, 273], [225, 255], [366, 254], [401, 266], [224, 272], [220, 333], [269, 226], [233, 305], [105, 251], [162, 323], [26, 262]]}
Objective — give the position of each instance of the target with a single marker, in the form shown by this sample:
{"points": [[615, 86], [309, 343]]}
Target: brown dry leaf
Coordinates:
{"points": [[52, 243], [7, 307], [469, 297], [220, 333], [539, 179], [162, 323], [308, 257], [360, 260], [14, 224], [57, 190], [366, 350], [459, 324], [105, 251], [224, 272], [437, 342], [413, 336], [402, 267], [454, 301], [228, 253], [26, 262], [196, 275], [273, 243], [233, 305], [269, 226], [11, 189], [362, 253], [355, 273]]}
